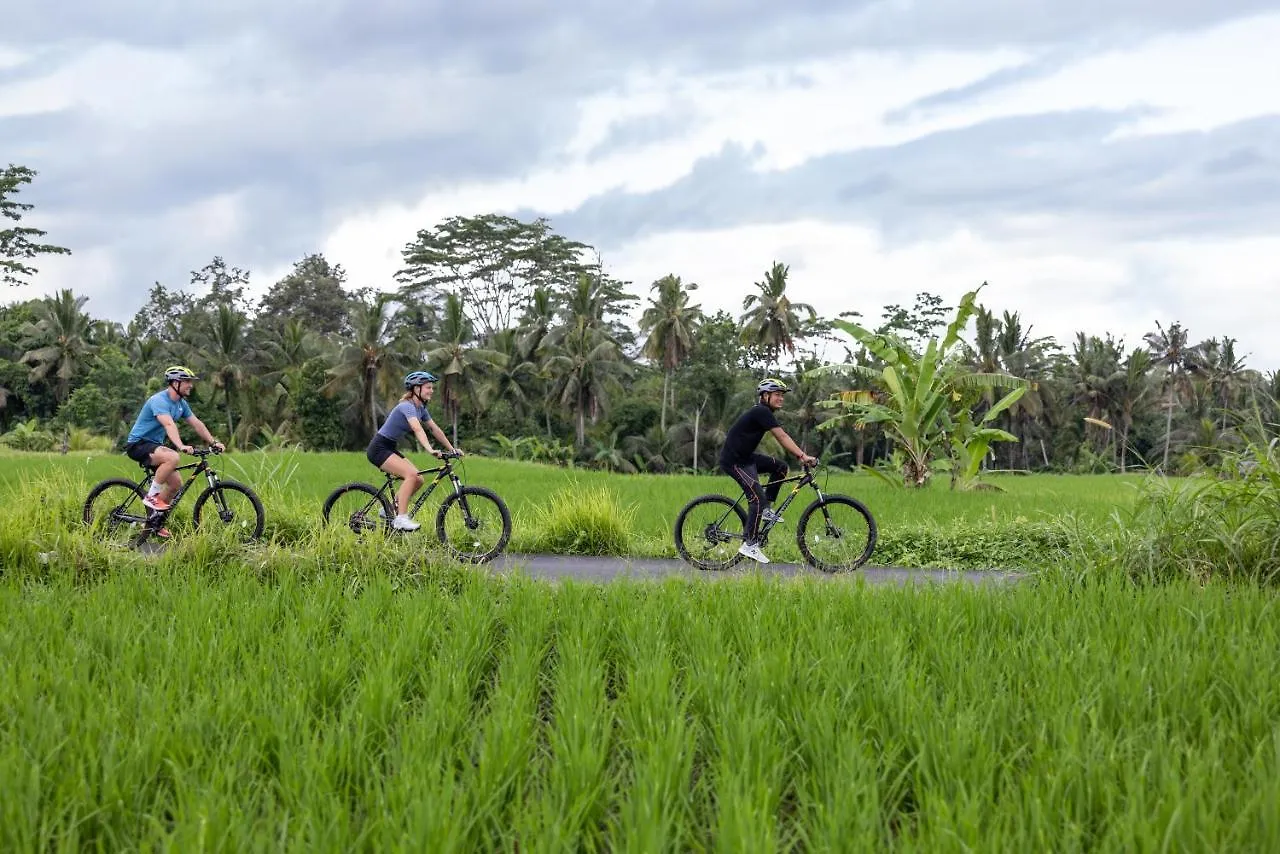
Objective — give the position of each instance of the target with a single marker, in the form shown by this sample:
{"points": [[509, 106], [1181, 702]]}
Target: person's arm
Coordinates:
{"points": [[416, 426], [203, 432], [441, 437], [171, 430], [788, 445]]}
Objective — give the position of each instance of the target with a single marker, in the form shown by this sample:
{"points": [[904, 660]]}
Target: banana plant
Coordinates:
{"points": [[924, 400]]}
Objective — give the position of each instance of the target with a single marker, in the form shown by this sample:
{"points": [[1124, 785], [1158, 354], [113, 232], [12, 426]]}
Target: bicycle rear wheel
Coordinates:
{"points": [[709, 530], [836, 533], [359, 507], [114, 511]]}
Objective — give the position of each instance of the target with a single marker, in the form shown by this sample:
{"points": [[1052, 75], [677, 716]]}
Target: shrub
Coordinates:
{"points": [[582, 521]]}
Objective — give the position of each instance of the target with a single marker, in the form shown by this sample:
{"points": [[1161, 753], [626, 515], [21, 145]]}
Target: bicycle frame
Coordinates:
{"points": [[445, 469], [199, 467], [805, 478]]}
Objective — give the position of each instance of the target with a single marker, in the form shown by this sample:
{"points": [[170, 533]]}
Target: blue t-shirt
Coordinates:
{"points": [[147, 427], [397, 423]]}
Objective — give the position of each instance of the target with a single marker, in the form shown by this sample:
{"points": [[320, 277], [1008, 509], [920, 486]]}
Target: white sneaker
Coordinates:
{"points": [[752, 551], [768, 515], [403, 523]]}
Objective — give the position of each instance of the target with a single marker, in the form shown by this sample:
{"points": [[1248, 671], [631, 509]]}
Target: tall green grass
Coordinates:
{"points": [[168, 706], [568, 511]]}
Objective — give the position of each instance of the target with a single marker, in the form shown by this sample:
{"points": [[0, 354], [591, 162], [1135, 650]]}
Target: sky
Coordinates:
{"points": [[1103, 165]]}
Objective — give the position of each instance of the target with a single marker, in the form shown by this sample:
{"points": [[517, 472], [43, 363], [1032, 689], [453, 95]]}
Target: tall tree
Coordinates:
{"points": [[1172, 349], [770, 319], [671, 324], [312, 293], [60, 341], [19, 244], [495, 263], [455, 358]]}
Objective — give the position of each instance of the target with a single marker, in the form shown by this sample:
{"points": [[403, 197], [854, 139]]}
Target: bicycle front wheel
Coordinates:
{"points": [[235, 506], [709, 530], [836, 533], [474, 524]]}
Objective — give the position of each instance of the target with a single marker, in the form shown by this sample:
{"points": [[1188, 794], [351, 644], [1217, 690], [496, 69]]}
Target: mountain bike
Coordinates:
{"points": [[473, 523], [114, 506], [835, 532]]}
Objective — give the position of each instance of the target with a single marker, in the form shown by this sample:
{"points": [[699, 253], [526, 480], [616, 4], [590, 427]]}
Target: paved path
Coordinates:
{"points": [[608, 568]]}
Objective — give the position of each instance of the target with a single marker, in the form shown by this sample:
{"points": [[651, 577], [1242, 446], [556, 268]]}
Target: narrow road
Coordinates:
{"points": [[609, 568]]}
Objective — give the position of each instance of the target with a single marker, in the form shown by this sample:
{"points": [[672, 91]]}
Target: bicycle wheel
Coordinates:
{"points": [[709, 530], [114, 510], [836, 533], [359, 507], [474, 524], [234, 505]]}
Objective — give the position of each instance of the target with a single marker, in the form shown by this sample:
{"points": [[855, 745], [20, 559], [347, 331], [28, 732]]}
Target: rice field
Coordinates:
{"points": [[311, 694]]}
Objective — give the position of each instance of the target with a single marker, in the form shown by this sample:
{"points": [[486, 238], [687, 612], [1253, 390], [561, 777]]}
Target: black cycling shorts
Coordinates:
{"points": [[380, 449], [141, 451]]}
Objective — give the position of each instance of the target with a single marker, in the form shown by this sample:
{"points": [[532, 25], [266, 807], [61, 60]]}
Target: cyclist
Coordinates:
{"points": [[407, 415], [739, 460], [157, 420]]}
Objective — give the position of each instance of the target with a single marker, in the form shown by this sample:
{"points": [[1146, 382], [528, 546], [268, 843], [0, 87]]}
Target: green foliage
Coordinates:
{"points": [[924, 407], [1014, 544], [19, 244], [319, 414], [581, 521], [1217, 525], [351, 699], [29, 436]]}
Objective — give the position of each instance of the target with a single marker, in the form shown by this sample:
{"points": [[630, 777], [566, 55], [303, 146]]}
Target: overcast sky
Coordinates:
{"points": [[1103, 164]]}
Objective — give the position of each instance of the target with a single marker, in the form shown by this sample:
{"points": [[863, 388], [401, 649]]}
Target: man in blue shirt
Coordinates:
{"points": [[157, 420]]}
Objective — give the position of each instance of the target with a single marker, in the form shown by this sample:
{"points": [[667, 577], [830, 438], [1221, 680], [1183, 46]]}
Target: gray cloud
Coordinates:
{"points": [[1061, 163], [315, 109]]}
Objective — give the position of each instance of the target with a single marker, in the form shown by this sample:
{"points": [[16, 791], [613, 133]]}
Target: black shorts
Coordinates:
{"points": [[141, 450], [380, 449]]}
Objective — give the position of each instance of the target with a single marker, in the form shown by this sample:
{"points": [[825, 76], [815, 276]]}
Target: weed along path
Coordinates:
{"points": [[582, 568]]}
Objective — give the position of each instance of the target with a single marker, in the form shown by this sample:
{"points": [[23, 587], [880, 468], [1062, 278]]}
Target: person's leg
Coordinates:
{"points": [[747, 478], [404, 468], [166, 482], [777, 470]]}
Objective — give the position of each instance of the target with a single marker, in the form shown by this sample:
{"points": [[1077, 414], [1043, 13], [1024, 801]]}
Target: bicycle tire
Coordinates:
{"points": [[231, 486], [682, 542], [808, 515], [471, 492], [372, 491], [87, 515]]}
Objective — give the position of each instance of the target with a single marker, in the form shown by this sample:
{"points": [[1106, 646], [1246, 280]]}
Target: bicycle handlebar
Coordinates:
{"points": [[205, 452]]}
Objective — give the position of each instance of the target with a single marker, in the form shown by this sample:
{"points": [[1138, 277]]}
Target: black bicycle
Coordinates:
{"points": [[473, 523], [114, 506], [835, 532]]}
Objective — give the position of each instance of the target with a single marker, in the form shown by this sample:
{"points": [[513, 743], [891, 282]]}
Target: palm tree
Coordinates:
{"points": [[770, 320], [1170, 348], [583, 359], [452, 357], [228, 350], [671, 324], [372, 358], [59, 340]]}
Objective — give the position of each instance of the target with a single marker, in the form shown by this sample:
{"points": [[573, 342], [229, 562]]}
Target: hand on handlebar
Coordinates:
{"points": [[808, 461]]}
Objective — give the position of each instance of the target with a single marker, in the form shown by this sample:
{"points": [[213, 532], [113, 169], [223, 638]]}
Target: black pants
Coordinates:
{"points": [[748, 477]]}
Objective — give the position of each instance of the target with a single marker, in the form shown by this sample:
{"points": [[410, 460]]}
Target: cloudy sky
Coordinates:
{"points": [[1103, 164]]}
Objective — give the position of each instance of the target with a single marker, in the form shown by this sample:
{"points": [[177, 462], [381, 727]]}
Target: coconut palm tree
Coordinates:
{"points": [[770, 320], [671, 324]]}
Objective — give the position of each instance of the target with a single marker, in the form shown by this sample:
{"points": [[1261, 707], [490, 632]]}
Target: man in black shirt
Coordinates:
{"points": [[739, 460]]}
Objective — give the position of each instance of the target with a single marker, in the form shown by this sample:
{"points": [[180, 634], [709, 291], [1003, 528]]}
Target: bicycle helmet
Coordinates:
{"points": [[771, 384], [418, 378], [174, 373]]}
